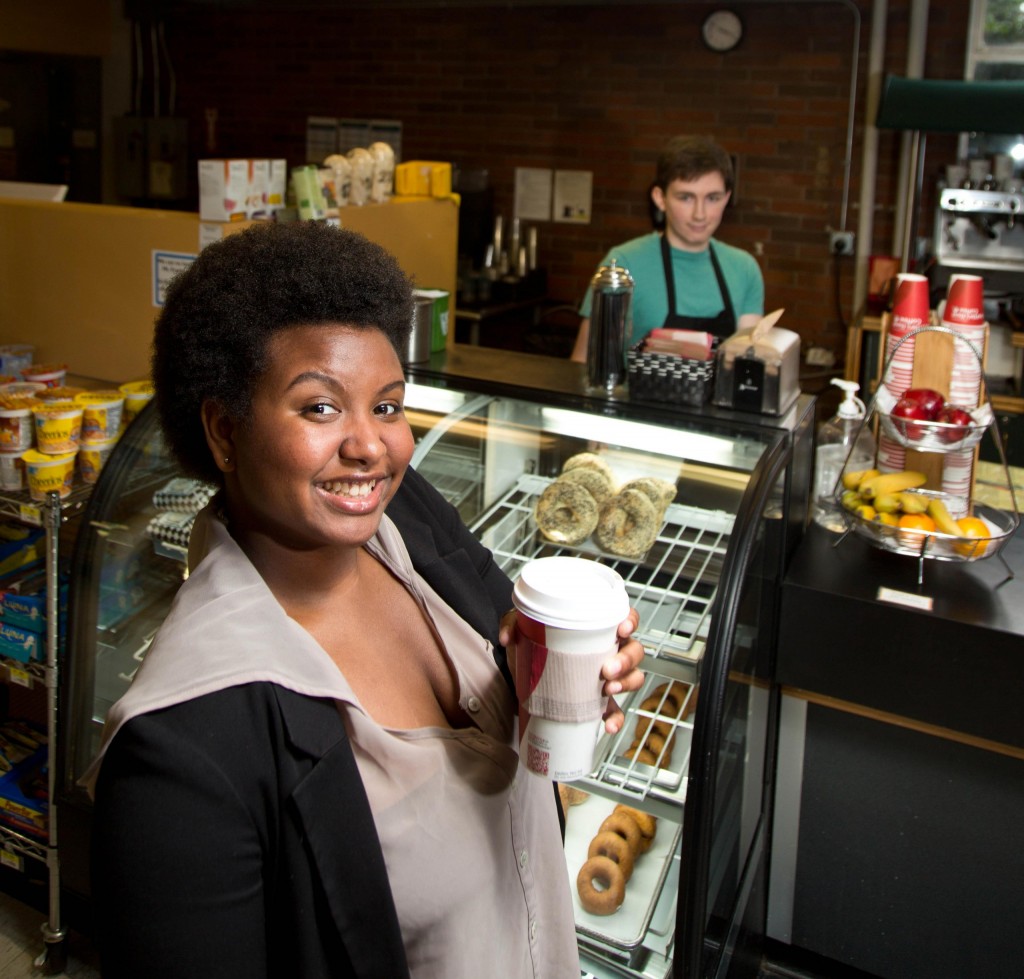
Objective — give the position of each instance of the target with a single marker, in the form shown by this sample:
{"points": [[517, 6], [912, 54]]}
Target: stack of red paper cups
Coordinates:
{"points": [[910, 312], [964, 312]]}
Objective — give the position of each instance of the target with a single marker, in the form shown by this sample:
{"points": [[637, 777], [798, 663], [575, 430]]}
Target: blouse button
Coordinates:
{"points": [[522, 859], [533, 928], [473, 704]]}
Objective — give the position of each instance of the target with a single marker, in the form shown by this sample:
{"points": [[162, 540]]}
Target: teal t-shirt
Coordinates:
{"points": [[697, 292]]}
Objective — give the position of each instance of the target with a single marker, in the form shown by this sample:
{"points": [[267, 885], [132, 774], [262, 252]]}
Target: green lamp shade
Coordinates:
{"points": [[940, 106]]}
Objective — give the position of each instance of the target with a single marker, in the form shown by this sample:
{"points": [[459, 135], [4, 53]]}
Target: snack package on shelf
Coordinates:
{"points": [[23, 783]]}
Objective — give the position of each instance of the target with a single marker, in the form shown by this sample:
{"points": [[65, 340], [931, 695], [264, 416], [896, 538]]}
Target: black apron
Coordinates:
{"points": [[721, 326]]}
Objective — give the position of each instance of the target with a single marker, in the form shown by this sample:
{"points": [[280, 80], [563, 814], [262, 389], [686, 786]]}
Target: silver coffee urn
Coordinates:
{"points": [[611, 322]]}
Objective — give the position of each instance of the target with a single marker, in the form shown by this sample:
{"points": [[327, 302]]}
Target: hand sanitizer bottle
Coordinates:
{"points": [[845, 443]]}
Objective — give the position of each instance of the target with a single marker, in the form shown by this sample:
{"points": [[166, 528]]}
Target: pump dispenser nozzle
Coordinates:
{"points": [[850, 406]]}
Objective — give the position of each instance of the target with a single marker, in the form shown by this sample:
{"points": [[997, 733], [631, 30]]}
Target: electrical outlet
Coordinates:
{"points": [[840, 242]]}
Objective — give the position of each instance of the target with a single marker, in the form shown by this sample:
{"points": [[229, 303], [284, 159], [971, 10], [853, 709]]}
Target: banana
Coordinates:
{"points": [[943, 521], [889, 519], [913, 502], [889, 503], [852, 480], [865, 511], [886, 483], [850, 499]]}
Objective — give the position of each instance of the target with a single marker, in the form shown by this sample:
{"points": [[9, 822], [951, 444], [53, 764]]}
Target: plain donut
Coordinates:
{"points": [[646, 823], [566, 513], [609, 875], [622, 825], [614, 847]]}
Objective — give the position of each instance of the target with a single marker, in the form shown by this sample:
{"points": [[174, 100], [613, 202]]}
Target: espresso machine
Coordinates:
{"points": [[980, 232]]}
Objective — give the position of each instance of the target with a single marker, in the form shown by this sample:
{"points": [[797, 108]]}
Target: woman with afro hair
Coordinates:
{"points": [[315, 772]]}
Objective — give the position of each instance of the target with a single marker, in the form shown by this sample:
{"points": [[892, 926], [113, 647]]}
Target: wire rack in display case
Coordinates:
{"points": [[673, 587]]}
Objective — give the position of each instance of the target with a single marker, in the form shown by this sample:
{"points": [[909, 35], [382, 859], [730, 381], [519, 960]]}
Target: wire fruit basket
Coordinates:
{"points": [[985, 530]]}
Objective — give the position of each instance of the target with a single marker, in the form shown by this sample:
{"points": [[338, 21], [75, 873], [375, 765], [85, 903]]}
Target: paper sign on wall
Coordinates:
{"points": [[573, 196], [166, 265], [533, 194]]}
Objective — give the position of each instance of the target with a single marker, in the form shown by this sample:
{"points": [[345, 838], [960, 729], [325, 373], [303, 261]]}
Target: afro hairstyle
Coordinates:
{"points": [[220, 313]]}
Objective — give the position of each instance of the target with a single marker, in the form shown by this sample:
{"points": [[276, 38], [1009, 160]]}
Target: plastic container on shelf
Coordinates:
{"points": [[58, 427], [101, 414], [137, 394], [845, 442], [49, 473]]}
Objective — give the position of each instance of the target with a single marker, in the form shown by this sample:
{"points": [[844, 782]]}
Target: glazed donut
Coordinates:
{"points": [[675, 692], [566, 513], [606, 872], [656, 742], [594, 481], [643, 724], [614, 847], [628, 524], [588, 460], [623, 826], [643, 755], [659, 491], [646, 823]]}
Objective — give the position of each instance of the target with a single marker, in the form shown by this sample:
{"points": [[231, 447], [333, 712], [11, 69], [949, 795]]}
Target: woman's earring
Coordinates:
{"points": [[227, 460]]}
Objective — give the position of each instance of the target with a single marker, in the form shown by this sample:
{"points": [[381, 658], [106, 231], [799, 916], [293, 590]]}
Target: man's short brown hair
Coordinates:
{"points": [[690, 157]]}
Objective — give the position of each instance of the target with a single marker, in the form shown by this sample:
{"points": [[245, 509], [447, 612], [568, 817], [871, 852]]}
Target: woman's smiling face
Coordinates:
{"points": [[327, 442]]}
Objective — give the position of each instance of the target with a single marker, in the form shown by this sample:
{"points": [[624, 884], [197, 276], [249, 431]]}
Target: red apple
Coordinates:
{"points": [[907, 410], [953, 416], [928, 399]]}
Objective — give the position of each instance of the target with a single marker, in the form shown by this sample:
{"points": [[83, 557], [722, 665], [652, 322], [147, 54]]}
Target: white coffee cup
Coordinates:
{"points": [[568, 613]]}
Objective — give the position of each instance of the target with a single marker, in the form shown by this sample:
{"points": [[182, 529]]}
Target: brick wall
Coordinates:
{"points": [[593, 88]]}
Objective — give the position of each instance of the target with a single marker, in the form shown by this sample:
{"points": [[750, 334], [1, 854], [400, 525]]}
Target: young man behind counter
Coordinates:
{"points": [[683, 277]]}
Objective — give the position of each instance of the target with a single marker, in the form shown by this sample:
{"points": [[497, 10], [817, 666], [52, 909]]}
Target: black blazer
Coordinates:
{"points": [[272, 817]]}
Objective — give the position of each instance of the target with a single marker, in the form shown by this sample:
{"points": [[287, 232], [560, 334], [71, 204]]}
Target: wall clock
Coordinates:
{"points": [[722, 30]]}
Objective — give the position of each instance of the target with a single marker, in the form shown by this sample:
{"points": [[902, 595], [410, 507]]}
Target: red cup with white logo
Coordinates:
{"points": [[965, 301], [568, 610]]}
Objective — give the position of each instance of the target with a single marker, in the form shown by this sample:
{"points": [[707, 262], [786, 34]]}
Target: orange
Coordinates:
{"points": [[912, 528], [972, 527], [916, 521]]}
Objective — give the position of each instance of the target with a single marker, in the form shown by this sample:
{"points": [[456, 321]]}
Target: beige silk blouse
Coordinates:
{"points": [[469, 836]]}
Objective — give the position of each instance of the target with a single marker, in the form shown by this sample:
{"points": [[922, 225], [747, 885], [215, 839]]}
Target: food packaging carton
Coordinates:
{"points": [[223, 189]]}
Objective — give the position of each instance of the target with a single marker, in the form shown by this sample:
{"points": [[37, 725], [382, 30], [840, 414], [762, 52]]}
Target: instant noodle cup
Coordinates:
{"points": [[101, 414], [62, 393], [58, 427], [17, 425], [92, 457], [49, 473], [136, 395], [52, 375], [22, 387], [12, 471]]}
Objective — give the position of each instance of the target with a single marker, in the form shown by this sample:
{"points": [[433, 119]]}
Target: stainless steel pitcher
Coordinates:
{"points": [[611, 322]]}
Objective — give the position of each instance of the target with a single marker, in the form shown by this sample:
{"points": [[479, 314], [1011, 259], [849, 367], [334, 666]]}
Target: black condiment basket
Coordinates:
{"points": [[668, 379]]}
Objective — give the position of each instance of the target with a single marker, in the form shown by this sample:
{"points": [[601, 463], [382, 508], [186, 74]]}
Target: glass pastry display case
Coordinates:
{"points": [[694, 752]]}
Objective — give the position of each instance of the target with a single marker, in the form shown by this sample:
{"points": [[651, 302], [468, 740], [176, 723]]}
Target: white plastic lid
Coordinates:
{"points": [[571, 593]]}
